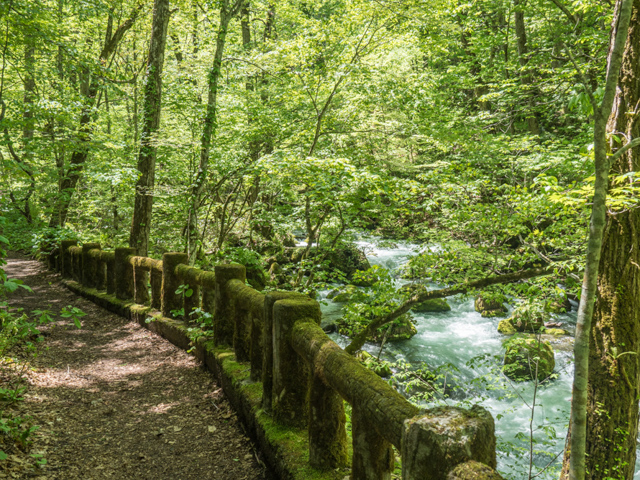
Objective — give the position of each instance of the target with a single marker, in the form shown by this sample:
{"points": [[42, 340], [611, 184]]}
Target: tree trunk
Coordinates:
{"points": [[523, 59], [151, 107], [89, 90], [614, 370], [227, 12], [578, 424]]}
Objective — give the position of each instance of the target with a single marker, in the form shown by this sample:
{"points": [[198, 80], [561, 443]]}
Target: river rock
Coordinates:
{"points": [[506, 327], [491, 306], [403, 329], [524, 356], [556, 331], [432, 305], [473, 470]]}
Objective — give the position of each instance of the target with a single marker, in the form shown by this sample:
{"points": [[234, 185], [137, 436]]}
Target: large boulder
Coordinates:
{"points": [[528, 359], [491, 306], [432, 305], [346, 257], [403, 329]]}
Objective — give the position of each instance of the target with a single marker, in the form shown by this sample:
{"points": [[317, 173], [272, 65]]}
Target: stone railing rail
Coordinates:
{"points": [[305, 375]]}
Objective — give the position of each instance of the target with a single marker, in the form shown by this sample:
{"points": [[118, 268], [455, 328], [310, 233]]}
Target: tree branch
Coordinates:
{"points": [[359, 340]]}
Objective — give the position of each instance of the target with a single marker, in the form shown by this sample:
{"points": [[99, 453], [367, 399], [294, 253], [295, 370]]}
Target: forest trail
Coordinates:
{"points": [[116, 401]]}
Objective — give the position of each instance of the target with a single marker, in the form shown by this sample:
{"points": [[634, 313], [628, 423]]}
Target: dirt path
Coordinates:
{"points": [[116, 401]]}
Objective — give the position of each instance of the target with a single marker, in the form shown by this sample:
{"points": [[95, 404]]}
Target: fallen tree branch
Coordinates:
{"points": [[359, 340]]}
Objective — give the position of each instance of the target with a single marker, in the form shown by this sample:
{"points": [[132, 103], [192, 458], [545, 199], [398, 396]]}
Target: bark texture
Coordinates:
{"points": [[614, 373], [152, 104]]}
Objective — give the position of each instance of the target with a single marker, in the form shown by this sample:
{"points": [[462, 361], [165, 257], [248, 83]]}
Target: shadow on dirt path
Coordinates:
{"points": [[116, 401]]}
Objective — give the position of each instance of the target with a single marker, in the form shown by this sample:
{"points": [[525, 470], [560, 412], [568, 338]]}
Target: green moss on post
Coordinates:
{"points": [[257, 334], [209, 299], [433, 444], [290, 371], [156, 287], [170, 282], [76, 263], [267, 344], [224, 324], [140, 281], [124, 273], [373, 457], [88, 265], [110, 262], [327, 432], [66, 257]]}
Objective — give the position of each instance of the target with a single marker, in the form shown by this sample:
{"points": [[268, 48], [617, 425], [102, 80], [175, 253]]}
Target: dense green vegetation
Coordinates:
{"points": [[462, 125]]}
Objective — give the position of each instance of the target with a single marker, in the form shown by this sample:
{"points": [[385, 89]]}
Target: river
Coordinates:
{"points": [[456, 337]]}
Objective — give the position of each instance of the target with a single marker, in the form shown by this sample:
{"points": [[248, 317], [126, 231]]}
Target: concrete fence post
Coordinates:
{"points": [[170, 282], [267, 344], [101, 272], [88, 265], [435, 443], [290, 395], [124, 273], [373, 457], [327, 427], [111, 272], [65, 260], [224, 317], [140, 280], [155, 277]]}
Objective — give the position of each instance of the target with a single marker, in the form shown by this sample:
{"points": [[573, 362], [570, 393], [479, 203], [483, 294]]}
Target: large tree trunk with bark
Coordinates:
{"points": [[227, 12], [575, 456], [151, 107], [614, 362]]}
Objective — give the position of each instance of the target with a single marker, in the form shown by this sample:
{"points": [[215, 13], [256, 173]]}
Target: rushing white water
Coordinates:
{"points": [[455, 338]]}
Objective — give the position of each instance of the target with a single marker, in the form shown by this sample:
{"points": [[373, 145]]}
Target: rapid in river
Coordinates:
{"points": [[462, 334]]}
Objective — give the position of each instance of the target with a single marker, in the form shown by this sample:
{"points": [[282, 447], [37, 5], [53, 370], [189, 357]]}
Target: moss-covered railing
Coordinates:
{"points": [[305, 377]]}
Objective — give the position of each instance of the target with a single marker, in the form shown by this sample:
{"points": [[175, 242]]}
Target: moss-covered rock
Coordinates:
{"points": [[528, 358], [527, 323], [506, 327], [379, 367], [473, 470], [491, 306], [433, 305], [556, 331], [402, 329]]}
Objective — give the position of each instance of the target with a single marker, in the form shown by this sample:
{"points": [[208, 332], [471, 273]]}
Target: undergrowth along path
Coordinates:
{"points": [[116, 401]]}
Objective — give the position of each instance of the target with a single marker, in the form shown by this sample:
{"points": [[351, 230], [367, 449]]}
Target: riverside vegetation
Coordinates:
{"points": [[497, 135]]}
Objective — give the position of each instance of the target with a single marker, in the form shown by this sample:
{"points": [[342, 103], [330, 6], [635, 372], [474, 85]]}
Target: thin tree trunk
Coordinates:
{"points": [[614, 370], [151, 107], [576, 455], [521, 34], [89, 89], [227, 12]]}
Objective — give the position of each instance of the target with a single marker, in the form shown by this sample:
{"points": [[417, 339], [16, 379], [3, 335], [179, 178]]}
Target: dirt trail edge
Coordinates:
{"points": [[116, 401]]}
